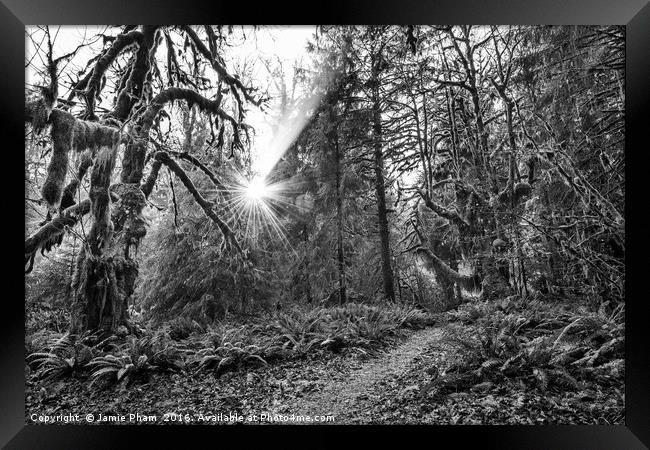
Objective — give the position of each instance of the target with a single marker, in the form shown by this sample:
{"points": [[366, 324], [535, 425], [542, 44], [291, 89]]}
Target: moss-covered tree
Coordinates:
{"points": [[106, 268]]}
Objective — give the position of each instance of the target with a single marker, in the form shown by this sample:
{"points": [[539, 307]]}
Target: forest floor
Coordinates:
{"points": [[349, 396], [392, 385], [392, 388]]}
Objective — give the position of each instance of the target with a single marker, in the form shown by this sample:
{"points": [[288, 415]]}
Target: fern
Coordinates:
{"points": [[227, 348], [228, 355], [62, 356], [118, 369]]}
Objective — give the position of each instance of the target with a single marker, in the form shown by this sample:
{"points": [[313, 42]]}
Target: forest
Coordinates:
{"points": [[345, 224]]}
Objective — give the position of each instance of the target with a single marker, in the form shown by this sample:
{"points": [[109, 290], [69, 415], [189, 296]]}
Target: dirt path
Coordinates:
{"points": [[343, 396]]}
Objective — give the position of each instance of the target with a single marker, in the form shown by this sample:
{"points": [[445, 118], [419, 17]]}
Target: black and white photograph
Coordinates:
{"points": [[359, 225]]}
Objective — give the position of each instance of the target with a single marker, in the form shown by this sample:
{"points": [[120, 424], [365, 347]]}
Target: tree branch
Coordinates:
{"points": [[147, 186], [51, 233], [207, 206], [68, 197], [231, 81], [93, 85], [192, 98], [133, 88], [186, 156], [442, 211], [433, 263]]}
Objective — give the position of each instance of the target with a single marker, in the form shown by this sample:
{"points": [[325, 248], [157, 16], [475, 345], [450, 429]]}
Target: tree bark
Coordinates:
{"points": [[339, 221], [378, 158]]}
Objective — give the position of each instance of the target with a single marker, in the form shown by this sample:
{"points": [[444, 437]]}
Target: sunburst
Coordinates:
{"points": [[257, 207]]}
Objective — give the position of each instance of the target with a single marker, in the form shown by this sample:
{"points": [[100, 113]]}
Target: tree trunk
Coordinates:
{"points": [[102, 287], [105, 276], [387, 273], [104, 281], [456, 293], [339, 222], [106, 271]]}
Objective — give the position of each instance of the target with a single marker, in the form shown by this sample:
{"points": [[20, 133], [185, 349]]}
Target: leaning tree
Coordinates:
{"points": [[148, 68]]}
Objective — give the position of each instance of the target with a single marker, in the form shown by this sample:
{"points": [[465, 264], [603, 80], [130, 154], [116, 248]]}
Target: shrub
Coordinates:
{"points": [[182, 327], [46, 315], [118, 369], [538, 345], [226, 350], [61, 355], [136, 358], [410, 317], [300, 331]]}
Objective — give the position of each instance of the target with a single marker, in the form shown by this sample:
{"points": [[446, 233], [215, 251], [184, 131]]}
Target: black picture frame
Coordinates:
{"points": [[634, 14]]}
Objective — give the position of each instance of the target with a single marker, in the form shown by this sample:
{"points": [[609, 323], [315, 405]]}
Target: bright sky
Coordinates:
{"points": [[279, 45], [286, 44]]}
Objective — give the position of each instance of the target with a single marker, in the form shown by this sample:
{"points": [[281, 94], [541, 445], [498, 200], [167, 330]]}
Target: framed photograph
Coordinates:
{"points": [[412, 216]]}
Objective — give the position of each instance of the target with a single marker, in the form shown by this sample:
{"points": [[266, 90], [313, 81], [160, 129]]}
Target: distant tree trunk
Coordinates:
{"points": [[520, 283], [339, 222], [445, 252], [554, 261], [457, 294], [387, 273], [310, 298]]}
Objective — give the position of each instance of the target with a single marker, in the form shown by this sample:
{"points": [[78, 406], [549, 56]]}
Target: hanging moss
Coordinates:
{"points": [[102, 135], [103, 287], [69, 133], [40, 112], [69, 193], [432, 263], [129, 220], [102, 227], [80, 135], [56, 171], [92, 135]]}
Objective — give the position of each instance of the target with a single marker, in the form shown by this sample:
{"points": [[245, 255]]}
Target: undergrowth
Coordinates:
{"points": [[184, 345], [534, 343]]}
